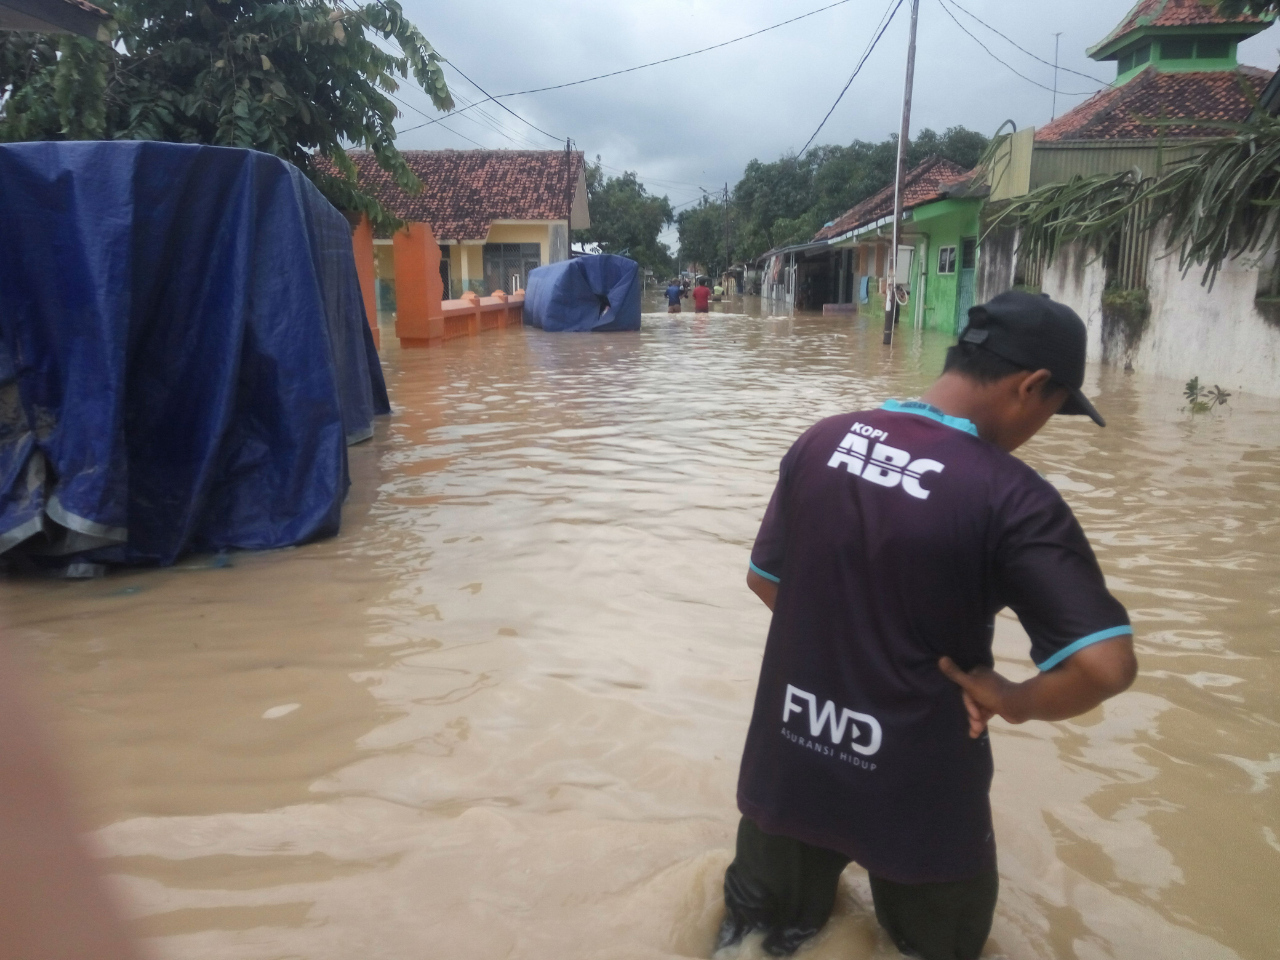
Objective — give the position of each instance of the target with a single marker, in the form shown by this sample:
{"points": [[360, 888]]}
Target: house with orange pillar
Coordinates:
{"points": [[493, 214]]}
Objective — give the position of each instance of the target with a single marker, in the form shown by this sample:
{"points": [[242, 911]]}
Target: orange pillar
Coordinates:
{"points": [[419, 289], [362, 246]]}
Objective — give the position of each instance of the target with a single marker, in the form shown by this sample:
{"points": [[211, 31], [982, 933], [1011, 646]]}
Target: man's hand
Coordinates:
{"points": [[1075, 686], [984, 693]]}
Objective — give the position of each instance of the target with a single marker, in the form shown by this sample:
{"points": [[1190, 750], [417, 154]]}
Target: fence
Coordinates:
{"points": [[468, 316]]}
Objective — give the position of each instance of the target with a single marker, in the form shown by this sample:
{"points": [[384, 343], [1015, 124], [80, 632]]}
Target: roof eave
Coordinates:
{"points": [[1109, 49]]}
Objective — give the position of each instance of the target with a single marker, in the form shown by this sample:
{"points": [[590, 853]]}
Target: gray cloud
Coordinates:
{"points": [[697, 122]]}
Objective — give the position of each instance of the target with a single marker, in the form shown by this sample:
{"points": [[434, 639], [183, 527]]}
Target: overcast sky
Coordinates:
{"points": [[697, 122]]}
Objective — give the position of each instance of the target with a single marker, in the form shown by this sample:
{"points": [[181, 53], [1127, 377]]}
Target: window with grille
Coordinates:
{"points": [[507, 265], [968, 253], [946, 259]]}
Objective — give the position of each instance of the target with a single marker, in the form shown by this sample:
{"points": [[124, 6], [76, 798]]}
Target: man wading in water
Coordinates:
{"points": [[892, 540]]}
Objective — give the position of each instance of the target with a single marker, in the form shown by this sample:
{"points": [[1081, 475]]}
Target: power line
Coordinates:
{"points": [[495, 129], [490, 96], [681, 56], [464, 136], [497, 126], [657, 180], [1024, 49], [643, 66], [856, 70], [947, 10]]}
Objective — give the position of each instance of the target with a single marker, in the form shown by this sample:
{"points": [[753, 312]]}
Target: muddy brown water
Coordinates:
{"points": [[500, 715]]}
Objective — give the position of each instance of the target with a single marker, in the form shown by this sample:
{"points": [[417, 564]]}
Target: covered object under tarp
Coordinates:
{"points": [[598, 293], [184, 354]]}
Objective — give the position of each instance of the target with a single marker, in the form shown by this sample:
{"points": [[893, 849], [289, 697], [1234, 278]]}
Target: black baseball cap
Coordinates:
{"points": [[1035, 333]]}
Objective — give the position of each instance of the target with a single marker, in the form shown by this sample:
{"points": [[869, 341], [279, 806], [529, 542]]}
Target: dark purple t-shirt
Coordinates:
{"points": [[895, 537]]}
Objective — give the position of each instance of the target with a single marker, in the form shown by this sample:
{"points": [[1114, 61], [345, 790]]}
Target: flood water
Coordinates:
{"points": [[501, 714]]}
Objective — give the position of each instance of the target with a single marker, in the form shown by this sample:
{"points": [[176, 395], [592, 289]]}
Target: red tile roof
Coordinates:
{"points": [[924, 184], [1117, 112], [465, 190], [1171, 13]]}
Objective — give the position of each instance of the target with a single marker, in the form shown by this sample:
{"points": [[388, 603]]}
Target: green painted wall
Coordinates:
{"points": [[947, 223]]}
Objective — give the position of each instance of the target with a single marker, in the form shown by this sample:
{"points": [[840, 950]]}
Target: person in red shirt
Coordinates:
{"points": [[702, 297]]}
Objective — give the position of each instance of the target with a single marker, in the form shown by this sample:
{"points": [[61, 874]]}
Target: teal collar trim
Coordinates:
{"points": [[922, 409]]}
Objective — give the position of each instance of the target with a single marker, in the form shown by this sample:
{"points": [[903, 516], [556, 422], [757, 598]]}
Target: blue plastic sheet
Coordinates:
{"points": [[598, 293], [184, 354]]}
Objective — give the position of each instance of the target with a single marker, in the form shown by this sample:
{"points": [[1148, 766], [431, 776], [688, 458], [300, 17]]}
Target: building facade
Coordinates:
{"points": [[495, 214], [1175, 60], [938, 247]]}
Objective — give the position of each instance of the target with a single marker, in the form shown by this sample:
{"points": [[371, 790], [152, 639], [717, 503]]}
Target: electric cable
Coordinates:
{"points": [[643, 66], [1011, 69], [1024, 49], [490, 96], [681, 56], [497, 128], [463, 136], [856, 70]]}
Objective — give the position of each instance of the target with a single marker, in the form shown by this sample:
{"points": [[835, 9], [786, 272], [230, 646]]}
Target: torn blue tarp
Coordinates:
{"points": [[598, 293], [184, 354]]}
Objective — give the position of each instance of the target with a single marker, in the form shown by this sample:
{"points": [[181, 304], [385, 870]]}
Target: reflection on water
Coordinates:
{"points": [[501, 714]]}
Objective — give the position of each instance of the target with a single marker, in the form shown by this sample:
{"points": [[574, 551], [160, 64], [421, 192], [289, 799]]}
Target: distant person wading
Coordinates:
{"points": [[702, 297], [892, 540], [674, 293]]}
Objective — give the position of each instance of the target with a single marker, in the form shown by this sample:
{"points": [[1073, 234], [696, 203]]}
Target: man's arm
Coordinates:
{"points": [[1075, 686], [763, 588]]}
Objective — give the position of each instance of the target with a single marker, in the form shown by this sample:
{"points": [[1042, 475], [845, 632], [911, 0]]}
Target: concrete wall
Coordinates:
{"points": [[1217, 335], [1077, 279], [997, 263]]}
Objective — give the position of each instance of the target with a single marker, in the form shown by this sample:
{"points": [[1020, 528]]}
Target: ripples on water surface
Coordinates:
{"points": [[501, 714]]}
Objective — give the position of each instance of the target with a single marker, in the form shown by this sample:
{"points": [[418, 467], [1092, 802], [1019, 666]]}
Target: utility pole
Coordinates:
{"points": [[1056, 38], [728, 258], [569, 185], [891, 293]]}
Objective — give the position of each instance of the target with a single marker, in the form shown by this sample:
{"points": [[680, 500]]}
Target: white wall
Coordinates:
{"points": [[1076, 278], [1216, 335]]}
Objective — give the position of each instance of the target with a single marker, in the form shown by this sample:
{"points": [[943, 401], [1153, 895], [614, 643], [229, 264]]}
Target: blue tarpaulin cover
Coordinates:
{"points": [[600, 293], [184, 354]]}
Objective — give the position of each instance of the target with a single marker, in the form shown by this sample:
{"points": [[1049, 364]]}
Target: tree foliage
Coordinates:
{"points": [[627, 220], [1217, 205], [789, 200], [295, 78], [703, 236]]}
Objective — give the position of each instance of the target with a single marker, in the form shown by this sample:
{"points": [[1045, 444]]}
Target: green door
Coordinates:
{"points": [[965, 279]]}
